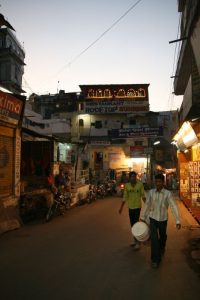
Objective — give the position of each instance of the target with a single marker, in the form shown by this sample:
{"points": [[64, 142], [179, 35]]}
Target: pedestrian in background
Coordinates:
{"points": [[156, 210], [60, 180], [133, 194]]}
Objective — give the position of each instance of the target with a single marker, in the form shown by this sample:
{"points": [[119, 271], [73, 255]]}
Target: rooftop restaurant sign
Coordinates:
{"points": [[114, 92], [10, 108], [117, 106], [137, 132]]}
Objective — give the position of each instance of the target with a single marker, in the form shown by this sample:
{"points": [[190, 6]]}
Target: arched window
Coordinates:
{"points": [[99, 93], [81, 106], [121, 93], [91, 93], [107, 93], [81, 123], [131, 93], [142, 92]]}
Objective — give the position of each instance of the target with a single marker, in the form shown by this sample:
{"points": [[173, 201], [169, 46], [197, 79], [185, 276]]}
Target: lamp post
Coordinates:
{"points": [[153, 142], [150, 162]]}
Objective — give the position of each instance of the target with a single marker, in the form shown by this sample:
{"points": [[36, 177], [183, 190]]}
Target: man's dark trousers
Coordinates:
{"points": [[134, 215], [158, 239]]}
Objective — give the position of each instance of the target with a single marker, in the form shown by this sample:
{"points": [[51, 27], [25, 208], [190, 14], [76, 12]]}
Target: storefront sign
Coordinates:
{"points": [[103, 107], [112, 92], [184, 189], [10, 108], [103, 143], [117, 156], [137, 151], [137, 132], [17, 164], [6, 165], [194, 182]]}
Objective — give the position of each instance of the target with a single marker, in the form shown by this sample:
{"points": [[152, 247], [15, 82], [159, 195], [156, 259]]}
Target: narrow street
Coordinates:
{"points": [[86, 254]]}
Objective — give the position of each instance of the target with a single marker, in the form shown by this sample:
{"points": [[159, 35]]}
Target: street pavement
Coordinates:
{"points": [[86, 255]]}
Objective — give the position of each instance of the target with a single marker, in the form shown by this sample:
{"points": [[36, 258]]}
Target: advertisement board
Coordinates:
{"points": [[137, 132], [194, 182], [10, 108], [117, 106]]}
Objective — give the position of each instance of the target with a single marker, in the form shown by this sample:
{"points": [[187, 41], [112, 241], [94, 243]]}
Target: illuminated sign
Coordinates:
{"points": [[118, 106], [112, 92], [121, 93], [137, 151], [103, 143], [10, 108], [136, 132]]}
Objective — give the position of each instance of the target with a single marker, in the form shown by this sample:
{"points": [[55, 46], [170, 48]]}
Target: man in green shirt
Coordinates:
{"points": [[133, 194]]}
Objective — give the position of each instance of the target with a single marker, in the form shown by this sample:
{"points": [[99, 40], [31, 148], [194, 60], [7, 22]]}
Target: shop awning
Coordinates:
{"points": [[36, 136]]}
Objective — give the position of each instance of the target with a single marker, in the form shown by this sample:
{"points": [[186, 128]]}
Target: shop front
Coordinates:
{"points": [[120, 158], [39, 154], [187, 141], [11, 113]]}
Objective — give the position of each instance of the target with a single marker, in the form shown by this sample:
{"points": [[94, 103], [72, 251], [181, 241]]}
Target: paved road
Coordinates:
{"points": [[86, 255]]}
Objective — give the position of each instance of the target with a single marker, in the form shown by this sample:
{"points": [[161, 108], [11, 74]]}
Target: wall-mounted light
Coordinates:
{"points": [[186, 136], [156, 143]]}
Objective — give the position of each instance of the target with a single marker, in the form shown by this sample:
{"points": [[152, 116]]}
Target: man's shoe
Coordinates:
{"points": [[134, 242], [154, 265], [136, 247]]}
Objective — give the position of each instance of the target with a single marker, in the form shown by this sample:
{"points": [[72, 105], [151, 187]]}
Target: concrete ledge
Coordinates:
{"points": [[9, 225], [81, 193]]}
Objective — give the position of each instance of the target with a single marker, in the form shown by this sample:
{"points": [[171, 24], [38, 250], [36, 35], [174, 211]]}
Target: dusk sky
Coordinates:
{"points": [[134, 50]]}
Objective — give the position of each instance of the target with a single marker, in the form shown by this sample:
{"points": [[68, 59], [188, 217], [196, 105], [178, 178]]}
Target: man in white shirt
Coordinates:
{"points": [[156, 209]]}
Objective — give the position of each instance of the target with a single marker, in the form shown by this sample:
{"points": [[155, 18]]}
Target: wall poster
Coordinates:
{"points": [[194, 182]]}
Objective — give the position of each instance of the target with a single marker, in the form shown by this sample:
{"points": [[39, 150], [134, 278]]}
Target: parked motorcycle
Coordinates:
{"points": [[100, 191], [67, 199], [91, 194], [110, 187], [58, 206]]}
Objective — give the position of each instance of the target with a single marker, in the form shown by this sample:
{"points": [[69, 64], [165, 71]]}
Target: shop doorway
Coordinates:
{"points": [[98, 160]]}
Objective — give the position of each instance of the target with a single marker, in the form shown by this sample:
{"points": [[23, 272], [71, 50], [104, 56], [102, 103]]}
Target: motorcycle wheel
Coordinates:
{"points": [[88, 200], [50, 213]]}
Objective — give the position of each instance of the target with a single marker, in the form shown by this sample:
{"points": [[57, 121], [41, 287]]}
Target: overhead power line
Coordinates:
{"points": [[26, 84], [99, 38]]}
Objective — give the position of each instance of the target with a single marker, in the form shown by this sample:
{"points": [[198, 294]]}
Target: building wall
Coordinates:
{"points": [[187, 81], [10, 153], [11, 61]]}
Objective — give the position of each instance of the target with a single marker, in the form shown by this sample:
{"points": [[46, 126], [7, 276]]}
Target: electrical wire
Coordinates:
{"points": [[99, 38], [93, 43], [26, 84]]}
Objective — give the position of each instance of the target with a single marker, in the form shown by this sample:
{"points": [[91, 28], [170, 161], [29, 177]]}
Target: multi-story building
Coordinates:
{"points": [[187, 77], [112, 127], [55, 105], [119, 130], [11, 114], [11, 61], [187, 83]]}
